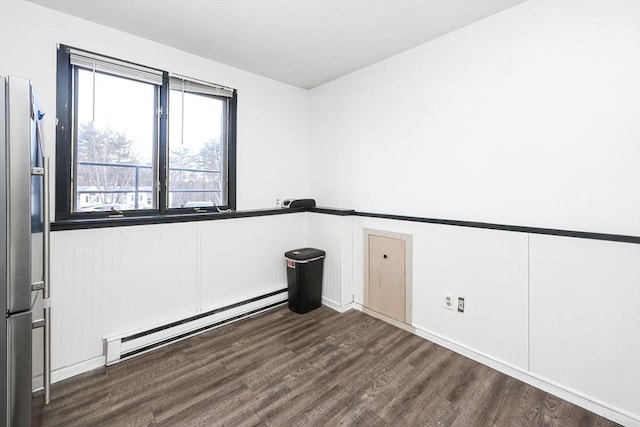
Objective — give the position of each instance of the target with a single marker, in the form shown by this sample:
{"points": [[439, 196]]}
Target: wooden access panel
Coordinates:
{"points": [[387, 289]]}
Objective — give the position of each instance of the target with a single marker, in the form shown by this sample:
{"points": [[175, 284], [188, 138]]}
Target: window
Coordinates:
{"points": [[114, 140], [133, 140], [197, 145]]}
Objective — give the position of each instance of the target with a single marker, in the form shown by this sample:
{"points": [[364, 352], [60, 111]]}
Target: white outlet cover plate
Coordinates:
{"points": [[450, 302]]}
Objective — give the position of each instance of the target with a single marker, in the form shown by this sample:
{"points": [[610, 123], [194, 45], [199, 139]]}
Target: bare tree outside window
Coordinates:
{"points": [[135, 138], [196, 150], [100, 152], [114, 143]]}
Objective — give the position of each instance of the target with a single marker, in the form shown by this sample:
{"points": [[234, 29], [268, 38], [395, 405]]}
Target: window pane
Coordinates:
{"points": [[196, 150], [114, 152]]}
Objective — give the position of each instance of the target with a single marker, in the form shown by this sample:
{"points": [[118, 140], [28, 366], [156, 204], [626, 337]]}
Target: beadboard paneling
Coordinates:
{"points": [[326, 233], [242, 258], [111, 280]]}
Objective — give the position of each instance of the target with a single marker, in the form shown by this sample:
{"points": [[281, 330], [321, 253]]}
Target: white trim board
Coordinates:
{"points": [[564, 393], [335, 306], [65, 372], [579, 399], [594, 405]]}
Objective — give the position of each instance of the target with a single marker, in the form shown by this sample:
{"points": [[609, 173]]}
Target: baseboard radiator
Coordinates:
{"points": [[123, 346]]}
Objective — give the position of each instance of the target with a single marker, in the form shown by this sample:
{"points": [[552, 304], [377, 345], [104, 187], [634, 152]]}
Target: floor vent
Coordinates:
{"points": [[132, 343]]}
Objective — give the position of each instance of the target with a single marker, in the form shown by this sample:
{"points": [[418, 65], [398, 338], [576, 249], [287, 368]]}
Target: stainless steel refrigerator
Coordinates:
{"points": [[24, 224]]}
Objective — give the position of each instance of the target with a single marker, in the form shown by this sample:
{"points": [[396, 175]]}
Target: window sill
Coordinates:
{"points": [[80, 224]]}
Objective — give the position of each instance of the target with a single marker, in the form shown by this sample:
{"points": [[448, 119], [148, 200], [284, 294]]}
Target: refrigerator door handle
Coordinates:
{"points": [[46, 294]]}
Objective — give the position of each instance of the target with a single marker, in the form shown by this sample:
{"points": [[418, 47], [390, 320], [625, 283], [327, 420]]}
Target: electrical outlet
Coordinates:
{"points": [[278, 203], [461, 304], [448, 301]]}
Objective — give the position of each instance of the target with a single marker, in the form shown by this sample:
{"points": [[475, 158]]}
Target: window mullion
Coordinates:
{"points": [[163, 145], [82, 162], [232, 109]]}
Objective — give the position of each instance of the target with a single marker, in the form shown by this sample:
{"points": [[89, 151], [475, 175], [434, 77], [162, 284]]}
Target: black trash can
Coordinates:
{"points": [[304, 277]]}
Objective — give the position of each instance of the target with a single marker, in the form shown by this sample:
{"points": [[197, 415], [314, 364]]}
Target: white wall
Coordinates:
{"points": [[487, 268], [110, 280], [560, 313], [528, 117], [107, 281], [585, 317], [272, 117]]}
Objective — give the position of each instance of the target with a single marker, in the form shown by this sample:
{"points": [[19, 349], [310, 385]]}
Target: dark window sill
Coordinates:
{"points": [[80, 224]]}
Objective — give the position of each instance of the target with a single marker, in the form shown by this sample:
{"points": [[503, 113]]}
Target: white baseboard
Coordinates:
{"points": [[565, 393], [594, 405], [331, 304], [229, 315], [70, 371], [336, 306], [387, 319]]}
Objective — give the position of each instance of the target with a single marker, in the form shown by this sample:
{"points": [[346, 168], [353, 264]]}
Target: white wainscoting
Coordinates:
{"points": [[487, 268], [112, 279], [109, 280], [560, 313], [244, 257], [333, 234], [585, 317]]}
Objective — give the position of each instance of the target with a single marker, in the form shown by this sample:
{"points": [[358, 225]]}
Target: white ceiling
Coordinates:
{"points": [[301, 42]]}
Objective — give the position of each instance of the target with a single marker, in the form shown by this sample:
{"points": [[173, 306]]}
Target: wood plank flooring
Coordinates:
{"points": [[285, 369]]}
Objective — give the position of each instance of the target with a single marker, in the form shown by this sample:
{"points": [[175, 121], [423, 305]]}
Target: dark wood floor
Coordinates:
{"points": [[286, 369]]}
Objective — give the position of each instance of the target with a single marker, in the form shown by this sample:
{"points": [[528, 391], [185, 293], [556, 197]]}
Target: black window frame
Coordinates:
{"points": [[65, 146]]}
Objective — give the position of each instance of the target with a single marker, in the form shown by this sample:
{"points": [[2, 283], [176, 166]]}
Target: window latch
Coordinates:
{"points": [[116, 213]]}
